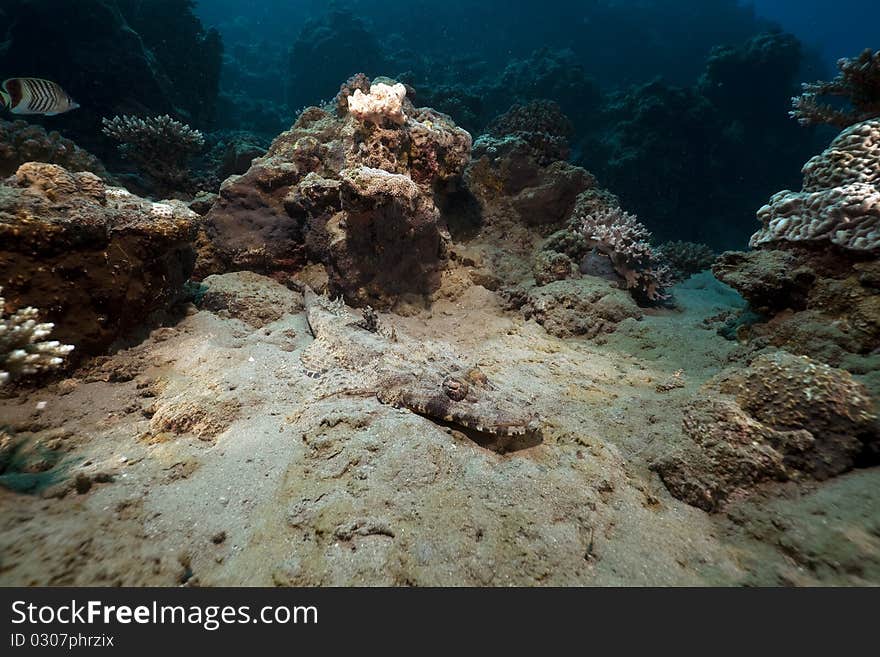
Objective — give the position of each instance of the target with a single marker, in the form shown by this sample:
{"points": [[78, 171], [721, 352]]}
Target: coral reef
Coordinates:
{"points": [[685, 258], [22, 142], [159, 146], [23, 347], [511, 177], [355, 196], [540, 123], [116, 57], [781, 418], [814, 271], [669, 152], [858, 83], [626, 242], [96, 259], [840, 201]]}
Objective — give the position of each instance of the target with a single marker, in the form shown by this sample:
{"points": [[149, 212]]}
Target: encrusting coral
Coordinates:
{"points": [[159, 146], [622, 238], [22, 142], [24, 349], [840, 201], [858, 82]]}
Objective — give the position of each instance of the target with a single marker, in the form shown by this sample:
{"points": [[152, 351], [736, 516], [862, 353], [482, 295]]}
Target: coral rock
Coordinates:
{"points": [[588, 306], [97, 260], [783, 417]]}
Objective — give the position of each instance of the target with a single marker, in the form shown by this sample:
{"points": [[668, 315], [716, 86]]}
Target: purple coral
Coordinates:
{"points": [[858, 82]]}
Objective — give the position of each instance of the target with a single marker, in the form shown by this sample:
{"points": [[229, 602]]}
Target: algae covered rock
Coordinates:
{"points": [[587, 306], [96, 260], [783, 417]]}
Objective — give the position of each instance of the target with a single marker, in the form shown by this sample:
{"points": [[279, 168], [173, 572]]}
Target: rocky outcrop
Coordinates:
{"points": [[355, 195], [814, 272], [22, 142], [96, 260], [784, 417], [587, 307]]}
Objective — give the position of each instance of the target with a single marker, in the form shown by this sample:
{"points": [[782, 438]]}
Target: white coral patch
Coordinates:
{"points": [[383, 102]]}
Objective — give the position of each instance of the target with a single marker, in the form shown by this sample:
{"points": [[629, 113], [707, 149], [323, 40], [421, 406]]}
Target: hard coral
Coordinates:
{"points": [[686, 258], [23, 347], [840, 201], [620, 236], [858, 82], [159, 146], [384, 102]]}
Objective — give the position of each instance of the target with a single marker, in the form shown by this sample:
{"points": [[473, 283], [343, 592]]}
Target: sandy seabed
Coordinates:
{"points": [[203, 456]]}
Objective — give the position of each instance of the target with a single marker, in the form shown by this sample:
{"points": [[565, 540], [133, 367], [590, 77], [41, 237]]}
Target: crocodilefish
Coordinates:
{"points": [[35, 96]]}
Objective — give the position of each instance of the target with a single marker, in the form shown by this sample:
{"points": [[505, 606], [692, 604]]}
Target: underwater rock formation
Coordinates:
{"points": [[95, 259], [840, 201], [858, 83], [783, 417], [23, 347], [355, 195], [22, 142], [540, 123], [814, 273], [587, 306], [509, 176]]}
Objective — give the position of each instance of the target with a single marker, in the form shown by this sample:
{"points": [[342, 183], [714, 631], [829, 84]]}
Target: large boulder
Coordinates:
{"points": [[352, 192], [96, 260], [783, 417]]}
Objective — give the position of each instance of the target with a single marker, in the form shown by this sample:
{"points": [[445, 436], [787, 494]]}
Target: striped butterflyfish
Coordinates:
{"points": [[35, 96]]}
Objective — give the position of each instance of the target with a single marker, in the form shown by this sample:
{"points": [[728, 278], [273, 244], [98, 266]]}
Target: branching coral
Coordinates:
{"points": [[23, 347], [858, 83], [840, 201], [159, 146], [626, 242], [686, 258]]}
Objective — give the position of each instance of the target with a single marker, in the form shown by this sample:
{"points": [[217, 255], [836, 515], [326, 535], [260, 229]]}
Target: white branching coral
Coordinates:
{"points": [[384, 101], [23, 347], [626, 242], [159, 146]]}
